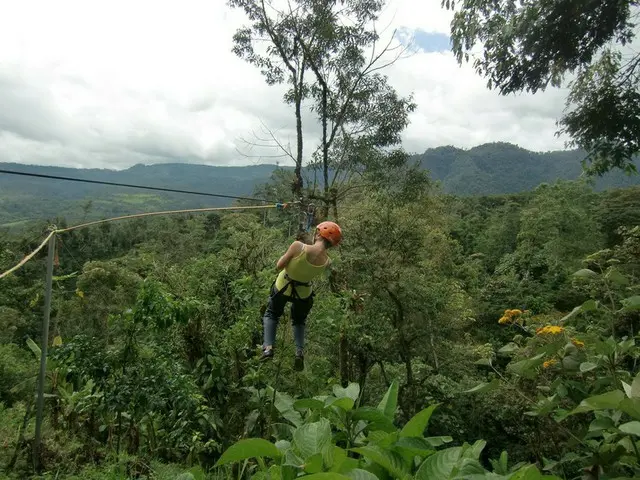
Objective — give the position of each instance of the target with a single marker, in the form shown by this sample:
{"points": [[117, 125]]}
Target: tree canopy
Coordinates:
{"points": [[531, 44]]}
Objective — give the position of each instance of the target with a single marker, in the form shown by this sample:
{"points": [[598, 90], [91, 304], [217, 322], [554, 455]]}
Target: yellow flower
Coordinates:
{"points": [[508, 315], [549, 363], [550, 329], [577, 342]]}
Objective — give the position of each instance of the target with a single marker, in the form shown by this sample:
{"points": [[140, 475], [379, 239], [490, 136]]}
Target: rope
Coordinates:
{"points": [[137, 215], [115, 184], [167, 212], [30, 256]]}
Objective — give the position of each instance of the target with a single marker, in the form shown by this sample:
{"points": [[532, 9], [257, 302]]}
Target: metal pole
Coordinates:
{"points": [[43, 354]]}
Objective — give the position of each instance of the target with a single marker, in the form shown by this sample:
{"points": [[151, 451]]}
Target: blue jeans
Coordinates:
{"points": [[300, 308]]}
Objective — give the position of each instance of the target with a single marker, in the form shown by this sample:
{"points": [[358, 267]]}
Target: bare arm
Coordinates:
{"points": [[294, 249]]}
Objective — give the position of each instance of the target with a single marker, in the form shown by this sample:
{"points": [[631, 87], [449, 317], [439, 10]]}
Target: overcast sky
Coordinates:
{"points": [[113, 83]]}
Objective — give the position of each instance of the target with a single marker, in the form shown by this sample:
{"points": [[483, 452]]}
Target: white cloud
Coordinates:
{"points": [[111, 84]]}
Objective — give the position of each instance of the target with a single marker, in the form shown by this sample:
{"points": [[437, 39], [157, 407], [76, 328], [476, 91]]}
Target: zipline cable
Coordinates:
{"points": [[137, 215], [30, 256], [115, 184]]}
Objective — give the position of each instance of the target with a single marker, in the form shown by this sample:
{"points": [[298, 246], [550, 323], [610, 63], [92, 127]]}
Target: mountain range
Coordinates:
{"points": [[492, 168]]}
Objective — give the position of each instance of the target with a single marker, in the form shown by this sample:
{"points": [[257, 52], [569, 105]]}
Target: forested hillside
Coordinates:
{"points": [[156, 329], [479, 171], [504, 168], [455, 335]]}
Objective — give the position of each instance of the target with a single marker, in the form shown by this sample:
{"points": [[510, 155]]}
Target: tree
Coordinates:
{"points": [[283, 60], [531, 44], [358, 109]]}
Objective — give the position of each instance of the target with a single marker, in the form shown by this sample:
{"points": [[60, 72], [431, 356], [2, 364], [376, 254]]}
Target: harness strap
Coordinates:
{"points": [[291, 282]]}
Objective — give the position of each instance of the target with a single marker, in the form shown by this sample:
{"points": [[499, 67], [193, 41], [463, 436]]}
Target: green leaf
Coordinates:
{"points": [[414, 445], [631, 406], [589, 306], [34, 348], [631, 304], [585, 273], [284, 404], [345, 403], [485, 387], [389, 402], [313, 463], [376, 418], [326, 476], [632, 428], [616, 277], [339, 458], [352, 391], [312, 438], [310, 403], [439, 441], [526, 368], [604, 401], [509, 348], [359, 474], [483, 361], [391, 461], [587, 367], [249, 448], [444, 463], [418, 423]]}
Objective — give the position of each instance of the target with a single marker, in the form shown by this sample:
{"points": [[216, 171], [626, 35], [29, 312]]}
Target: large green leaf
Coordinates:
{"points": [[376, 418], [526, 368], [632, 428], [34, 348], [418, 423], [439, 441], [585, 273], [485, 387], [326, 476], [313, 464], [410, 447], [359, 474], [389, 402], [249, 448], [391, 461], [448, 463], [312, 438], [604, 401], [587, 367], [631, 304], [631, 406], [345, 403], [440, 465], [284, 404], [352, 391], [310, 403], [614, 275]]}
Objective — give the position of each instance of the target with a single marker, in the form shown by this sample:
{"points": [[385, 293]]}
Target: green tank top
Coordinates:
{"points": [[301, 270]]}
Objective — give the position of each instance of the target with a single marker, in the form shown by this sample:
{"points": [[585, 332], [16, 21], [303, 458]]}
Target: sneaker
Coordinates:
{"points": [[298, 364], [267, 354]]}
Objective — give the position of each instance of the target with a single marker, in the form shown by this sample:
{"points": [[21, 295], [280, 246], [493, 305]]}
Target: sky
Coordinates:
{"points": [[109, 84]]}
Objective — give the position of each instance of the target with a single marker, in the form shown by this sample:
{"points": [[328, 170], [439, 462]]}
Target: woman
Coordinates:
{"points": [[298, 266]]}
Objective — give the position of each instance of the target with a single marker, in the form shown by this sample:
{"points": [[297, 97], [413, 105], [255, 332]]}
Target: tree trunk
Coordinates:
{"points": [[344, 367], [325, 152]]}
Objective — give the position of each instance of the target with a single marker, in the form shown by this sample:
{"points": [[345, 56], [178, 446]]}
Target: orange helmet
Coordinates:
{"points": [[330, 231]]}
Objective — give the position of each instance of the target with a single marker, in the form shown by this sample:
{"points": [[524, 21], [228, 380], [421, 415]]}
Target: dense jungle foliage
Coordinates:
{"points": [[486, 337], [447, 330]]}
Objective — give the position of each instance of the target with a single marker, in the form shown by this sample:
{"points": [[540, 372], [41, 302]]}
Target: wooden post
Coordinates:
{"points": [[43, 354]]}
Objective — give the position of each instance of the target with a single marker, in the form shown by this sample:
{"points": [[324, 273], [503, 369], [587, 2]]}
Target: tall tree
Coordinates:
{"points": [[531, 44], [338, 42], [358, 109], [282, 61]]}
